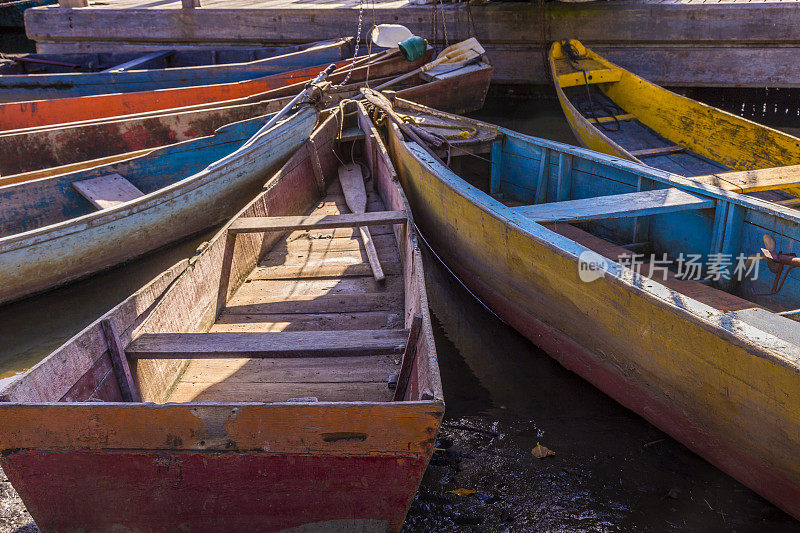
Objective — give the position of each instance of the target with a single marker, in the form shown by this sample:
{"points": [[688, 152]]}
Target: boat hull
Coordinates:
{"points": [[268, 468], [728, 401], [38, 260], [21, 87], [40, 148]]}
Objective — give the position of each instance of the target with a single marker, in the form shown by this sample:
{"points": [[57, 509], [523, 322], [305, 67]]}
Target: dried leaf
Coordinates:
{"points": [[540, 452], [462, 492]]}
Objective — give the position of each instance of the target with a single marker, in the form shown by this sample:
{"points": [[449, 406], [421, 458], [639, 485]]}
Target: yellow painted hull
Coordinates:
{"points": [[712, 133]]}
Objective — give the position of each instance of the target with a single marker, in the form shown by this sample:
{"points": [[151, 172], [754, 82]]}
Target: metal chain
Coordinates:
{"points": [[358, 43], [444, 25]]}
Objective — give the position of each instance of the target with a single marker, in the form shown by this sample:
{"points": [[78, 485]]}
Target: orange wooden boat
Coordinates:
{"points": [[36, 113]]}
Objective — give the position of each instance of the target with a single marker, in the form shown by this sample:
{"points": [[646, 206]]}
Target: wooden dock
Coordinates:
{"points": [[670, 42]]}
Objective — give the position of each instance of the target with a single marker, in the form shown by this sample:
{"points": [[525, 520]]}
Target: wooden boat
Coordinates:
{"points": [[542, 234], [127, 77], [258, 393], [61, 228], [71, 63], [30, 114], [12, 11], [616, 112], [460, 91]]}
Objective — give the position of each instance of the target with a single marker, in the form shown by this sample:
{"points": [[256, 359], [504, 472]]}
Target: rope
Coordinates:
{"points": [[573, 57]]}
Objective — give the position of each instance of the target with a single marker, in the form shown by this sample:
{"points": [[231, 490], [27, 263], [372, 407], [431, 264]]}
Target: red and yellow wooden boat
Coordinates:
{"points": [[249, 388]]}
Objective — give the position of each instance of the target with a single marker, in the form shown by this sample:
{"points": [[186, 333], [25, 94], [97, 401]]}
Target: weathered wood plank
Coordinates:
{"points": [[765, 179], [409, 357], [282, 392], [360, 369], [333, 303], [267, 344], [259, 224], [133, 63], [107, 191], [120, 363], [661, 150], [633, 204], [322, 269], [309, 321]]}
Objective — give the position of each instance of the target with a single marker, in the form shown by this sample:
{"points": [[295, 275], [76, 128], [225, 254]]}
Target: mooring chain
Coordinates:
{"points": [[358, 43]]}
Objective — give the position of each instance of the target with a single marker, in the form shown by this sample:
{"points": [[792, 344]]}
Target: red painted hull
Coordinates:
{"points": [[189, 491]]}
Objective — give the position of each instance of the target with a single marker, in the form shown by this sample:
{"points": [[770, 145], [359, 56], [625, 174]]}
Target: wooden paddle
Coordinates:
{"points": [[455, 54], [355, 194]]}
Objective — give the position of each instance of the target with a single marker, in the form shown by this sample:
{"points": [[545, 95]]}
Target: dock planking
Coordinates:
{"points": [[688, 46]]}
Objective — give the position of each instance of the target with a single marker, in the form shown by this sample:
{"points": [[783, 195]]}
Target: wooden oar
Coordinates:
{"points": [[452, 55], [355, 194]]}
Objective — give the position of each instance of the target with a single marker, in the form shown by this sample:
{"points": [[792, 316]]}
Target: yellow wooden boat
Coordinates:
{"points": [[616, 112], [544, 234]]}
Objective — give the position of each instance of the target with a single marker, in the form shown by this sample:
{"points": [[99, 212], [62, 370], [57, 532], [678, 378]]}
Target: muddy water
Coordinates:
{"points": [[611, 470]]}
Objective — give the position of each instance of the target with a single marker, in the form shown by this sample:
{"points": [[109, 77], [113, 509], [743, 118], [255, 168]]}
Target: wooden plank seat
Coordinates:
{"points": [[621, 118], [634, 204], [349, 220], [105, 192], [716, 298], [347, 343], [602, 75], [764, 179], [660, 150], [139, 61]]}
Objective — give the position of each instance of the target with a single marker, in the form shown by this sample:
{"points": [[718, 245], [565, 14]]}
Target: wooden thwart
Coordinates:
{"points": [[634, 204], [107, 191], [268, 344], [349, 220], [133, 63], [661, 150], [621, 118], [764, 179], [592, 76]]}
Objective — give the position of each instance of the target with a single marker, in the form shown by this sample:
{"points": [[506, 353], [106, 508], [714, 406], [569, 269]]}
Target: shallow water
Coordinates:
{"points": [[611, 471]]}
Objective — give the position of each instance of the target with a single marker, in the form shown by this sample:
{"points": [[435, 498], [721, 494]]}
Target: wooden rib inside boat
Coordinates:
{"points": [[616, 112], [275, 362], [678, 299]]}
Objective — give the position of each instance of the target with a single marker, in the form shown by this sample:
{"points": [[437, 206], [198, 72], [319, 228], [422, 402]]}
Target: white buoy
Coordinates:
{"points": [[389, 35]]}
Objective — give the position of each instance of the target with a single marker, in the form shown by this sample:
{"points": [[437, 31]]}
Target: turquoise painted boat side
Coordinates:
{"points": [[52, 236], [24, 87]]}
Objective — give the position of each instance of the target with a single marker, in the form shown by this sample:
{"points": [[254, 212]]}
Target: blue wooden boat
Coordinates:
{"points": [[12, 11], [545, 235], [64, 227], [144, 72], [70, 63]]}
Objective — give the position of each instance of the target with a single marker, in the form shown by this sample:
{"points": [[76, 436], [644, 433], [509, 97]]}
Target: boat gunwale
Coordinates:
{"points": [[748, 337], [314, 46]]}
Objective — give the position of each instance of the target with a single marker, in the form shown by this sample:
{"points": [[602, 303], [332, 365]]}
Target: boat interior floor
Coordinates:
{"points": [[644, 143], [313, 281], [718, 299]]}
